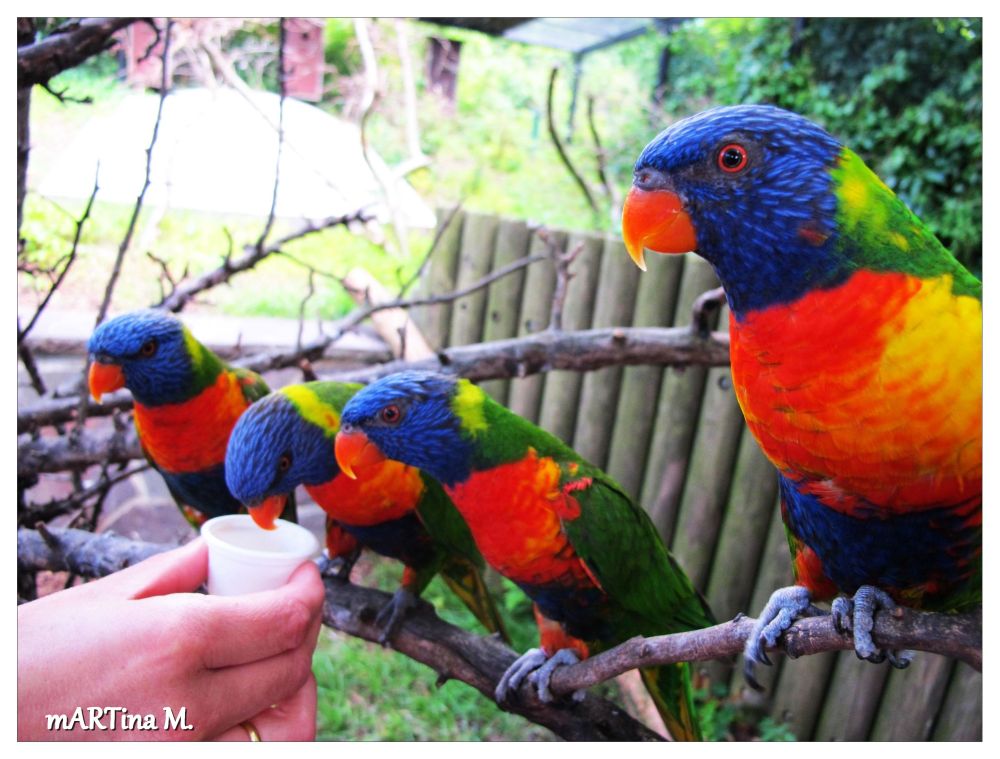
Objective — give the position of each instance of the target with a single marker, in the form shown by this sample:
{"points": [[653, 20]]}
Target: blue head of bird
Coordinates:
{"points": [[151, 353], [408, 417], [272, 450], [750, 189]]}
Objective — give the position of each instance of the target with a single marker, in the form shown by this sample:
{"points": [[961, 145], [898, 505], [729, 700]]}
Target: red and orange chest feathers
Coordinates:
{"points": [[382, 492], [515, 512], [192, 436], [874, 386]]}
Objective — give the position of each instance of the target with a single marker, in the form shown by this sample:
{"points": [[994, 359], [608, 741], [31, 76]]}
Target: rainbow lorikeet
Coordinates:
{"points": [[558, 527], [186, 401], [856, 348], [287, 439]]}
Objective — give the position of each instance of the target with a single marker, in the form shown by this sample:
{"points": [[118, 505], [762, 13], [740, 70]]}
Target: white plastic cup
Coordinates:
{"points": [[243, 558]]}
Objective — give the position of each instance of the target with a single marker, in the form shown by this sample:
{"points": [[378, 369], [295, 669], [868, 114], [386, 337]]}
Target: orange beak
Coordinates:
{"points": [[268, 510], [104, 378], [656, 219], [353, 450]]}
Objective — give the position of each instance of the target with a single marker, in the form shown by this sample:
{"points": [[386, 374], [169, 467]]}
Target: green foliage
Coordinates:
{"points": [[904, 93], [723, 719]]}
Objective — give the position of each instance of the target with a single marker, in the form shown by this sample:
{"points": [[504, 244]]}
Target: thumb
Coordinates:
{"points": [[181, 570]]}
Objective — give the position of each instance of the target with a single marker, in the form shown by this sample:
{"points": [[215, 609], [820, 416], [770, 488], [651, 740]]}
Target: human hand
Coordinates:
{"points": [[142, 641]]}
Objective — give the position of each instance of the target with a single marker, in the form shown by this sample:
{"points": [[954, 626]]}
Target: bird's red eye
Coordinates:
{"points": [[148, 348], [284, 463], [390, 414], [733, 158]]}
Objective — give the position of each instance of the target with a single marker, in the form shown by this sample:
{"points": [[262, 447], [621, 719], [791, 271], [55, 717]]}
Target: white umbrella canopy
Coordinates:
{"points": [[216, 151]]}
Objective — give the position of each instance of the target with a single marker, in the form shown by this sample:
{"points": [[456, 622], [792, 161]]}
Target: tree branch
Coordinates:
{"points": [[78, 450], [582, 350], [66, 48], [959, 636]]}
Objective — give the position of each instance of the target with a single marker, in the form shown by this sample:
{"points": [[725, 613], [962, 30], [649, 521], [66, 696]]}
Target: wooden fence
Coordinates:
{"points": [[676, 440]]}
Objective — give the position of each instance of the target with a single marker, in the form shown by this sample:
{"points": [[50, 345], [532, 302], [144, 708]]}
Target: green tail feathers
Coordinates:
{"points": [[466, 581], [670, 687]]}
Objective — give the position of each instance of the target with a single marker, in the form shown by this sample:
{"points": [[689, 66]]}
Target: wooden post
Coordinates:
{"points": [[655, 306], [676, 413], [800, 692], [961, 714], [525, 394], [751, 505], [615, 301], [851, 700], [474, 259], [503, 304], [706, 489], [560, 399], [911, 699], [439, 278]]}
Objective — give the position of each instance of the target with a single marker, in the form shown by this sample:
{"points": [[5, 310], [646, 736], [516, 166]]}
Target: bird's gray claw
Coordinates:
{"points": [[538, 668], [391, 616], [858, 615], [543, 675], [842, 610], [524, 665], [782, 608]]}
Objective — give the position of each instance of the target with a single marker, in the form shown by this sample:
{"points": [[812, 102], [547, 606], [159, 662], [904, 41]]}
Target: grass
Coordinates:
{"points": [[367, 692]]}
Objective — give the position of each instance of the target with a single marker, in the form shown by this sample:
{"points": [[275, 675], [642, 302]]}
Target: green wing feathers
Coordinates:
{"points": [[620, 545]]}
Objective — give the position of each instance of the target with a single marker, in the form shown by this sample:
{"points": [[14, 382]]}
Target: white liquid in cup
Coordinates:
{"points": [[244, 558]]}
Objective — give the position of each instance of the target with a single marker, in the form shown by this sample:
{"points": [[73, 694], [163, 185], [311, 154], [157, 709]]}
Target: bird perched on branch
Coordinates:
{"points": [[287, 439], [187, 400], [558, 527], [856, 349]]}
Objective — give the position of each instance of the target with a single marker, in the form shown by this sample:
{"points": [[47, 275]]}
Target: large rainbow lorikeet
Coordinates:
{"points": [[558, 527], [287, 440], [856, 347], [186, 402]]}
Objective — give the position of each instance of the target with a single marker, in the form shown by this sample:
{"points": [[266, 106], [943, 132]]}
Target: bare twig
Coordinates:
{"points": [[563, 156], [704, 306], [438, 234], [281, 136], [123, 247], [250, 258], [601, 157], [21, 334], [370, 95], [24, 353], [314, 350], [302, 309], [562, 260], [56, 507]]}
